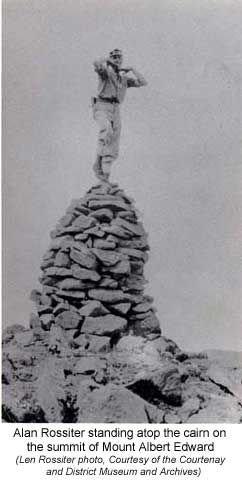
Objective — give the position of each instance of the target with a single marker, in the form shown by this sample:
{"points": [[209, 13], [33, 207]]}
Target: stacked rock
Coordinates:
{"points": [[93, 272]]}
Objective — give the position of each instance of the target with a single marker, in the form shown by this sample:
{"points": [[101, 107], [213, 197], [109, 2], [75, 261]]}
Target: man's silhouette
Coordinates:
{"points": [[112, 86]]}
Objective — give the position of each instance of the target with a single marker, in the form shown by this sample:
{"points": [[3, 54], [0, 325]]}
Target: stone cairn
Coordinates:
{"points": [[94, 349], [93, 273]]}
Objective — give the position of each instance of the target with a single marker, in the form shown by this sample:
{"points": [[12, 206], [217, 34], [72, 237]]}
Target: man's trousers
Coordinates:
{"points": [[107, 116]]}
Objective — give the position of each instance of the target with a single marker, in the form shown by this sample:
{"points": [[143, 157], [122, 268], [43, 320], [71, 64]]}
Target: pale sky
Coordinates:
{"points": [[180, 153]]}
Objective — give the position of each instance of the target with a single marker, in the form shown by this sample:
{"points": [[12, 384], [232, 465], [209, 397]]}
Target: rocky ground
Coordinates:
{"points": [[94, 351]]}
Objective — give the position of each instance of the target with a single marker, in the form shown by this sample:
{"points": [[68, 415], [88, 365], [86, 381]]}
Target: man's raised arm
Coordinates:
{"points": [[100, 65], [138, 81]]}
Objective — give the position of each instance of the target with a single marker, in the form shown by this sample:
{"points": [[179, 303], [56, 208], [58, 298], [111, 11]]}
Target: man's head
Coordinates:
{"points": [[116, 57]]}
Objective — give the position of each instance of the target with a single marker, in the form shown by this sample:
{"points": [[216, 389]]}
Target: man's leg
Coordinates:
{"points": [[102, 118], [116, 133], [97, 166], [108, 160]]}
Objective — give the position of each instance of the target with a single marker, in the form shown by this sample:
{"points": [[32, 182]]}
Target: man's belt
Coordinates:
{"points": [[110, 100]]}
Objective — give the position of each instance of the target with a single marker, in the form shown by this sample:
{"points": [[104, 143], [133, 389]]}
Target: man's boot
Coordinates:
{"points": [[106, 167], [105, 177]]}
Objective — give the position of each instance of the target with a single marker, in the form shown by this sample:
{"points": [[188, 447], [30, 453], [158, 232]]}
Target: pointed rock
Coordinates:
{"points": [[122, 308], [93, 309], [46, 321]]}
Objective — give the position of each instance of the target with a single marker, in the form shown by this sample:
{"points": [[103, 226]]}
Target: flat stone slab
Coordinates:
{"points": [[81, 237], [137, 254], [108, 295], [108, 282], [113, 204], [136, 229], [104, 244], [70, 294], [70, 284], [142, 315], [57, 272], [95, 231], [104, 325], [80, 224], [83, 257], [117, 231], [84, 274], [142, 307], [107, 258]]}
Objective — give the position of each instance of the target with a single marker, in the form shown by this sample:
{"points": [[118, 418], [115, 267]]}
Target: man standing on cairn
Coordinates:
{"points": [[112, 86]]}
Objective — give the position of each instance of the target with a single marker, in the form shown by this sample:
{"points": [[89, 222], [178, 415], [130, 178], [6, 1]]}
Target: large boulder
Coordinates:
{"points": [[111, 404], [107, 325]]}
